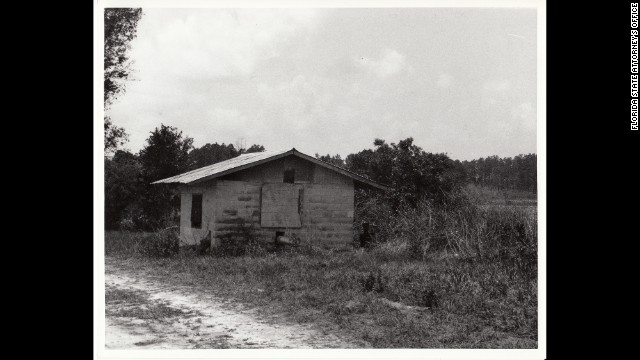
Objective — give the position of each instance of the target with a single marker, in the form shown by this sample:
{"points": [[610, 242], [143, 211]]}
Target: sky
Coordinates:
{"points": [[330, 81]]}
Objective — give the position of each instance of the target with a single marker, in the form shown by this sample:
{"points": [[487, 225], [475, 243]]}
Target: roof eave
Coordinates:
{"points": [[229, 171], [294, 152]]}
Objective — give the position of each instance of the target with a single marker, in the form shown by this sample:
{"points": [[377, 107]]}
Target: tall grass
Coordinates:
{"points": [[487, 195], [460, 227], [474, 268], [162, 243], [471, 304]]}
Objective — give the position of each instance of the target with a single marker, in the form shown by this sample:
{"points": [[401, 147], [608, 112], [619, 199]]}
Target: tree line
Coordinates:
{"points": [[517, 173], [410, 173], [501, 173]]}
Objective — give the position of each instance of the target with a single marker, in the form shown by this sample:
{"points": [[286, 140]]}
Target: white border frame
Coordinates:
{"points": [[98, 196]]}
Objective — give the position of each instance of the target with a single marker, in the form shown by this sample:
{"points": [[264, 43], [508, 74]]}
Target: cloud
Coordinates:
{"points": [[311, 106], [444, 80], [390, 63], [214, 43], [303, 101], [496, 91], [526, 113], [314, 80], [187, 63], [497, 85]]}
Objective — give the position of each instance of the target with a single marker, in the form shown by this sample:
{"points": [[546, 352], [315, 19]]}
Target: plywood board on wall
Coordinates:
{"points": [[280, 206]]}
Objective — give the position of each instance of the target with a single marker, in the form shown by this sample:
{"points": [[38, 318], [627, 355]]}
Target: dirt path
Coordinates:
{"points": [[145, 314]]}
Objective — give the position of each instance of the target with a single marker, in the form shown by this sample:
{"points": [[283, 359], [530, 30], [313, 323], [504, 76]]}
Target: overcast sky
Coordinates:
{"points": [[460, 81]]}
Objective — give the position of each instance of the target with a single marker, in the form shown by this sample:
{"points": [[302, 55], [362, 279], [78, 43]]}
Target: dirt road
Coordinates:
{"points": [[141, 313]]}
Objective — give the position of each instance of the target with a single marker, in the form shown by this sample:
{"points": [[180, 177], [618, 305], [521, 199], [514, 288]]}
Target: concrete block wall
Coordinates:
{"points": [[236, 205], [328, 214], [189, 235], [326, 211]]}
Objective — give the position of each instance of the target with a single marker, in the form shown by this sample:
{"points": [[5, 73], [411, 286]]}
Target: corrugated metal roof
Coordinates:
{"points": [[220, 167], [252, 159]]}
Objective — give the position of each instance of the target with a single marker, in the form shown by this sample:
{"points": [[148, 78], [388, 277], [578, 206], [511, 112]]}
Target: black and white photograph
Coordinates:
{"points": [[308, 176]]}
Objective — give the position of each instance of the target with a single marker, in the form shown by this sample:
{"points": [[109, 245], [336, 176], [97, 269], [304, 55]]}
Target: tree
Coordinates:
{"points": [[242, 149], [333, 160], [253, 149], [114, 136], [123, 184], [411, 173], [211, 154], [120, 27], [166, 154], [517, 173]]}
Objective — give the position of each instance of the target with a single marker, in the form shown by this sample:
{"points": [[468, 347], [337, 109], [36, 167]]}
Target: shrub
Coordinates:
{"points": [[458, 225], [378, 213], [117, 243], [242, 241], [205, 244], [161, 244], [127, 225]]}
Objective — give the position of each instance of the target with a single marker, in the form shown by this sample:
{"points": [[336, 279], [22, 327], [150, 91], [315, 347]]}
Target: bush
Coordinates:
{"points": [[117, 243], [127, 225], [160, 244], [507, 234], [205, 244], [375, 211], [163, 243], [242, 241]]}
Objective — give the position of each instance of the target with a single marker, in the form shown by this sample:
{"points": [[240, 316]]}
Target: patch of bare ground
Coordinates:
{"points": [[144, 313]]}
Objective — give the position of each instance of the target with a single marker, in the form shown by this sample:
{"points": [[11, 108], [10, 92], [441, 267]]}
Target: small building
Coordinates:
{"points": [[271, 194]]}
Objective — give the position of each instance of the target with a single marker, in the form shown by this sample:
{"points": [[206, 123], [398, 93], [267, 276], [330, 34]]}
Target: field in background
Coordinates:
{"points": [[491, 196]]}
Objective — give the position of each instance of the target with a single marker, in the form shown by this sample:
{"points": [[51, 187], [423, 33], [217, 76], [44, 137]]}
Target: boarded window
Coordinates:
{"points": [[280, 206], [290, 176], [196, 211]]}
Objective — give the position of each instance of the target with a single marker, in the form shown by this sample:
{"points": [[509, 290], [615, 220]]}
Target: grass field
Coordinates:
{"points": [[386, 296], [490, 196]]}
